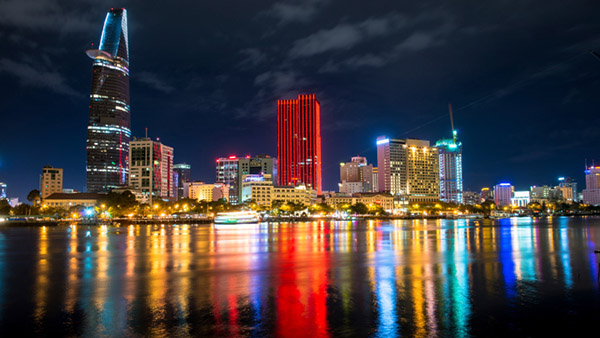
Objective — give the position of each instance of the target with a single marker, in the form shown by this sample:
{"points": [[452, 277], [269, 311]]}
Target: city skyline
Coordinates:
{"points": [[354, 113]]}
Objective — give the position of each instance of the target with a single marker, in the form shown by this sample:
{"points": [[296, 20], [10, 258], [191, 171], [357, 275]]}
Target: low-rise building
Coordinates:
{"points": [[386, 201], [62, 200], [520, 199], [471, 198], [264, 193], [201, 191]]}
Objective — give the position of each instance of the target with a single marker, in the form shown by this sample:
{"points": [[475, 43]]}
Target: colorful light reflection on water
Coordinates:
{"points": [[418, 278]]}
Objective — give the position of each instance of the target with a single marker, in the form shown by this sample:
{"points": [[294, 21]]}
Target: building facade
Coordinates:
{"points": [[451, 173], [540, 193], [257, 167], [109, 132], [356, 176], [299, 141], [62, 200], [471, 198], [51, 181], [503, 194], [151, 169], [228, 171], [181, 174], [201, 191], [568, 186], [408, 169], [263, 192], [375, 178], [386, 201], [520, 199], [591, 193]]}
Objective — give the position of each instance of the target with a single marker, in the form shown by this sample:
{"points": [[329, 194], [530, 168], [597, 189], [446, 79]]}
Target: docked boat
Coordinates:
{"points": [[237, 217]]}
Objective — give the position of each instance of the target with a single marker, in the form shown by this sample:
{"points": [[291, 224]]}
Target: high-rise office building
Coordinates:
{"points": [[299, 141], [568, 187], [591, 193], [181, 174], [356, 176], [51, 181], [109, 111], [503, 194], [451, 177], [228, 171], [375, 187], [232, 170], [151, 169], [408, 169]]}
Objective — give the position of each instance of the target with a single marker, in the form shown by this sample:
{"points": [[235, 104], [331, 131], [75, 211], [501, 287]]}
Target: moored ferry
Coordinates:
{"points": [[237, 217]]}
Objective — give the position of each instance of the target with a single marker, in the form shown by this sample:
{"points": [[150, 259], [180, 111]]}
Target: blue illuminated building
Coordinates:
{"points": [[451, 176], [109, 115]]}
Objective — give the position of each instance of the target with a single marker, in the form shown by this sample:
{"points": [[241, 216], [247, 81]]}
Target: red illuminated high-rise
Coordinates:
{"points": [[299, 141]]}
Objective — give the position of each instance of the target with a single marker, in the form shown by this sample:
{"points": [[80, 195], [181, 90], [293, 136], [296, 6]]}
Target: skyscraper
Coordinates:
{"points": [[152, 169], [299, 141], [503, 193], [450, 162], [228, 172], [109, 115], [181, 174], [591, 193], [408, 169]]}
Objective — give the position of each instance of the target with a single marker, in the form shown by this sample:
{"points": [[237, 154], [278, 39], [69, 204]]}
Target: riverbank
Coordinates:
{"points": [[287, 219]]}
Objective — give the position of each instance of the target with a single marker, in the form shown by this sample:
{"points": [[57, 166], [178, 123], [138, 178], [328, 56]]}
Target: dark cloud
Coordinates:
{"points": [[153, 81], [30, 76], [345, 36], [286, 12], [48, 15]]}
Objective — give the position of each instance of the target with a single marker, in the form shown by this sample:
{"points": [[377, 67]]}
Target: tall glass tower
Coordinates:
{"points": [[109, 117], [451, 177], [299, 141]]}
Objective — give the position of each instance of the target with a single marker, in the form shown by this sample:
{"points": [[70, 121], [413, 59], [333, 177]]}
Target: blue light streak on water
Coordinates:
{"points": [[456, 286], [386, 289], [507, 260], [565, 257], [386, 300]]}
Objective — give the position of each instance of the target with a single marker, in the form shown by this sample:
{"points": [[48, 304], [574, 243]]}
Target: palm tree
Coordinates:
{"points": [[34, 197]]}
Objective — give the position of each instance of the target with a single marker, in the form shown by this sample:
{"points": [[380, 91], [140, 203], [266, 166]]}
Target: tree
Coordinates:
{"points": [[4, 207], [22, 209], [359, 208], [34, 197], [119, 204]]}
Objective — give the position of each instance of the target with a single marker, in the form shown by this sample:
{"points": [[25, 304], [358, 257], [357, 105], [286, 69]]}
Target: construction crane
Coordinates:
{"points": [[596, 55], [452, 123]]}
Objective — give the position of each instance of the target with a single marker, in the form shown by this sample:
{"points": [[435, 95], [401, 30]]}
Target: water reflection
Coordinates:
{"points": [[384, 279]]}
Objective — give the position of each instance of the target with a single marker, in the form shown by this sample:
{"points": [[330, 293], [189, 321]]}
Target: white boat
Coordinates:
{"points": [[237, 217]]}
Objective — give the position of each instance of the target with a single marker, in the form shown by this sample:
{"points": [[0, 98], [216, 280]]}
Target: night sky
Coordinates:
{"points": [[205, 77]]}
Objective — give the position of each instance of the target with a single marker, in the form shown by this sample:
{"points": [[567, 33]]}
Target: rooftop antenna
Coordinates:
{"points": [[146, 132], [452, 123]]}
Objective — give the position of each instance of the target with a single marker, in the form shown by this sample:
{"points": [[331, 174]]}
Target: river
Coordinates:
{"points": [[423, 278]]}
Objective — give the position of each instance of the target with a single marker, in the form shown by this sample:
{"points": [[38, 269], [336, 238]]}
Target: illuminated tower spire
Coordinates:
{"points": [[109, 111]]}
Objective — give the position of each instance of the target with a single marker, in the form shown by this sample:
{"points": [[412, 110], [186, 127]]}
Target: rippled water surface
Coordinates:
{"points": [[513, 277]]}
